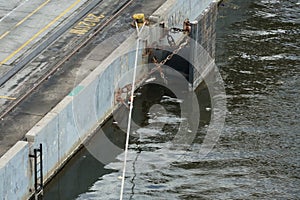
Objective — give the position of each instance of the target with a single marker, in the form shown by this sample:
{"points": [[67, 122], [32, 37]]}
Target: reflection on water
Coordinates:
{"points": [[152, 157], [257, 156]]}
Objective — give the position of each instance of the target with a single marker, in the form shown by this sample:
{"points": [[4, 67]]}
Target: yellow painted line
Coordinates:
{"points": [[24, 19], [4, 34], [29, 15], [39, 33], [6, 97]]}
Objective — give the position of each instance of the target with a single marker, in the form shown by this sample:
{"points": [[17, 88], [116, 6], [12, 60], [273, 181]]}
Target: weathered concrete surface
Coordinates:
{"points": [[63, 129], [87, 106], [72, 72], [204, 14], [174, 12], [29, 22], [8, 6], [15, 173]]}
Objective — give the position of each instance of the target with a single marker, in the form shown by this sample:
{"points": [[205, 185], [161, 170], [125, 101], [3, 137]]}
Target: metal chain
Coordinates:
{"points": [[169, 57], [171, 40], [158, 67]]}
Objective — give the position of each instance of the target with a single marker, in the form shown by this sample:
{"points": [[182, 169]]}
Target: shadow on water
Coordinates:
{"points": [[257, 155], [83, 170], [76, 177]]}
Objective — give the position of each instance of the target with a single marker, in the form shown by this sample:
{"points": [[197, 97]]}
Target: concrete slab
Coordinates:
{"points": [[33, 109], [18, 14], [8, 6], [14, 172], [29, 22], [15, 128], [12, 152]]}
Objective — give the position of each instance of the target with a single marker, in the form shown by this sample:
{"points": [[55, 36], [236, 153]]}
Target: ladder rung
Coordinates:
{"points": [[39, 192], [38, 161]]}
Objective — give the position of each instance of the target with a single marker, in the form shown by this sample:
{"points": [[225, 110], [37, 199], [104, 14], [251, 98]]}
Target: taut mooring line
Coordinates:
{"points": [[130, 108]]}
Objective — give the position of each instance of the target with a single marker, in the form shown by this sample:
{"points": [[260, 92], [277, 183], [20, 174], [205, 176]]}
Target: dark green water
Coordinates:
{"points": [[257, 155]]}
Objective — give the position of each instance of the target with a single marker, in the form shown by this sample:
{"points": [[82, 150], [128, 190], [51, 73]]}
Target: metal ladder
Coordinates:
{"points": [[38, 171]]}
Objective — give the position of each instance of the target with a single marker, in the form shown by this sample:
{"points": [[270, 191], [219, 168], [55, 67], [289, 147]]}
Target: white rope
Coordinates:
{"points": [[130, 108]]}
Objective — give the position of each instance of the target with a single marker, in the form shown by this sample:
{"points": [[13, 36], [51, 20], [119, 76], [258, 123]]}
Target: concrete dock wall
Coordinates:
{"points": [[15, 173], [67, 125], [204, 52], [174, 12], [204, 12]]}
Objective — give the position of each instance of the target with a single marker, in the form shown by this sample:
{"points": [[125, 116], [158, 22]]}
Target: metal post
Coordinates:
{"points": [[193, 51], [41, 167], [35, 174]]}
